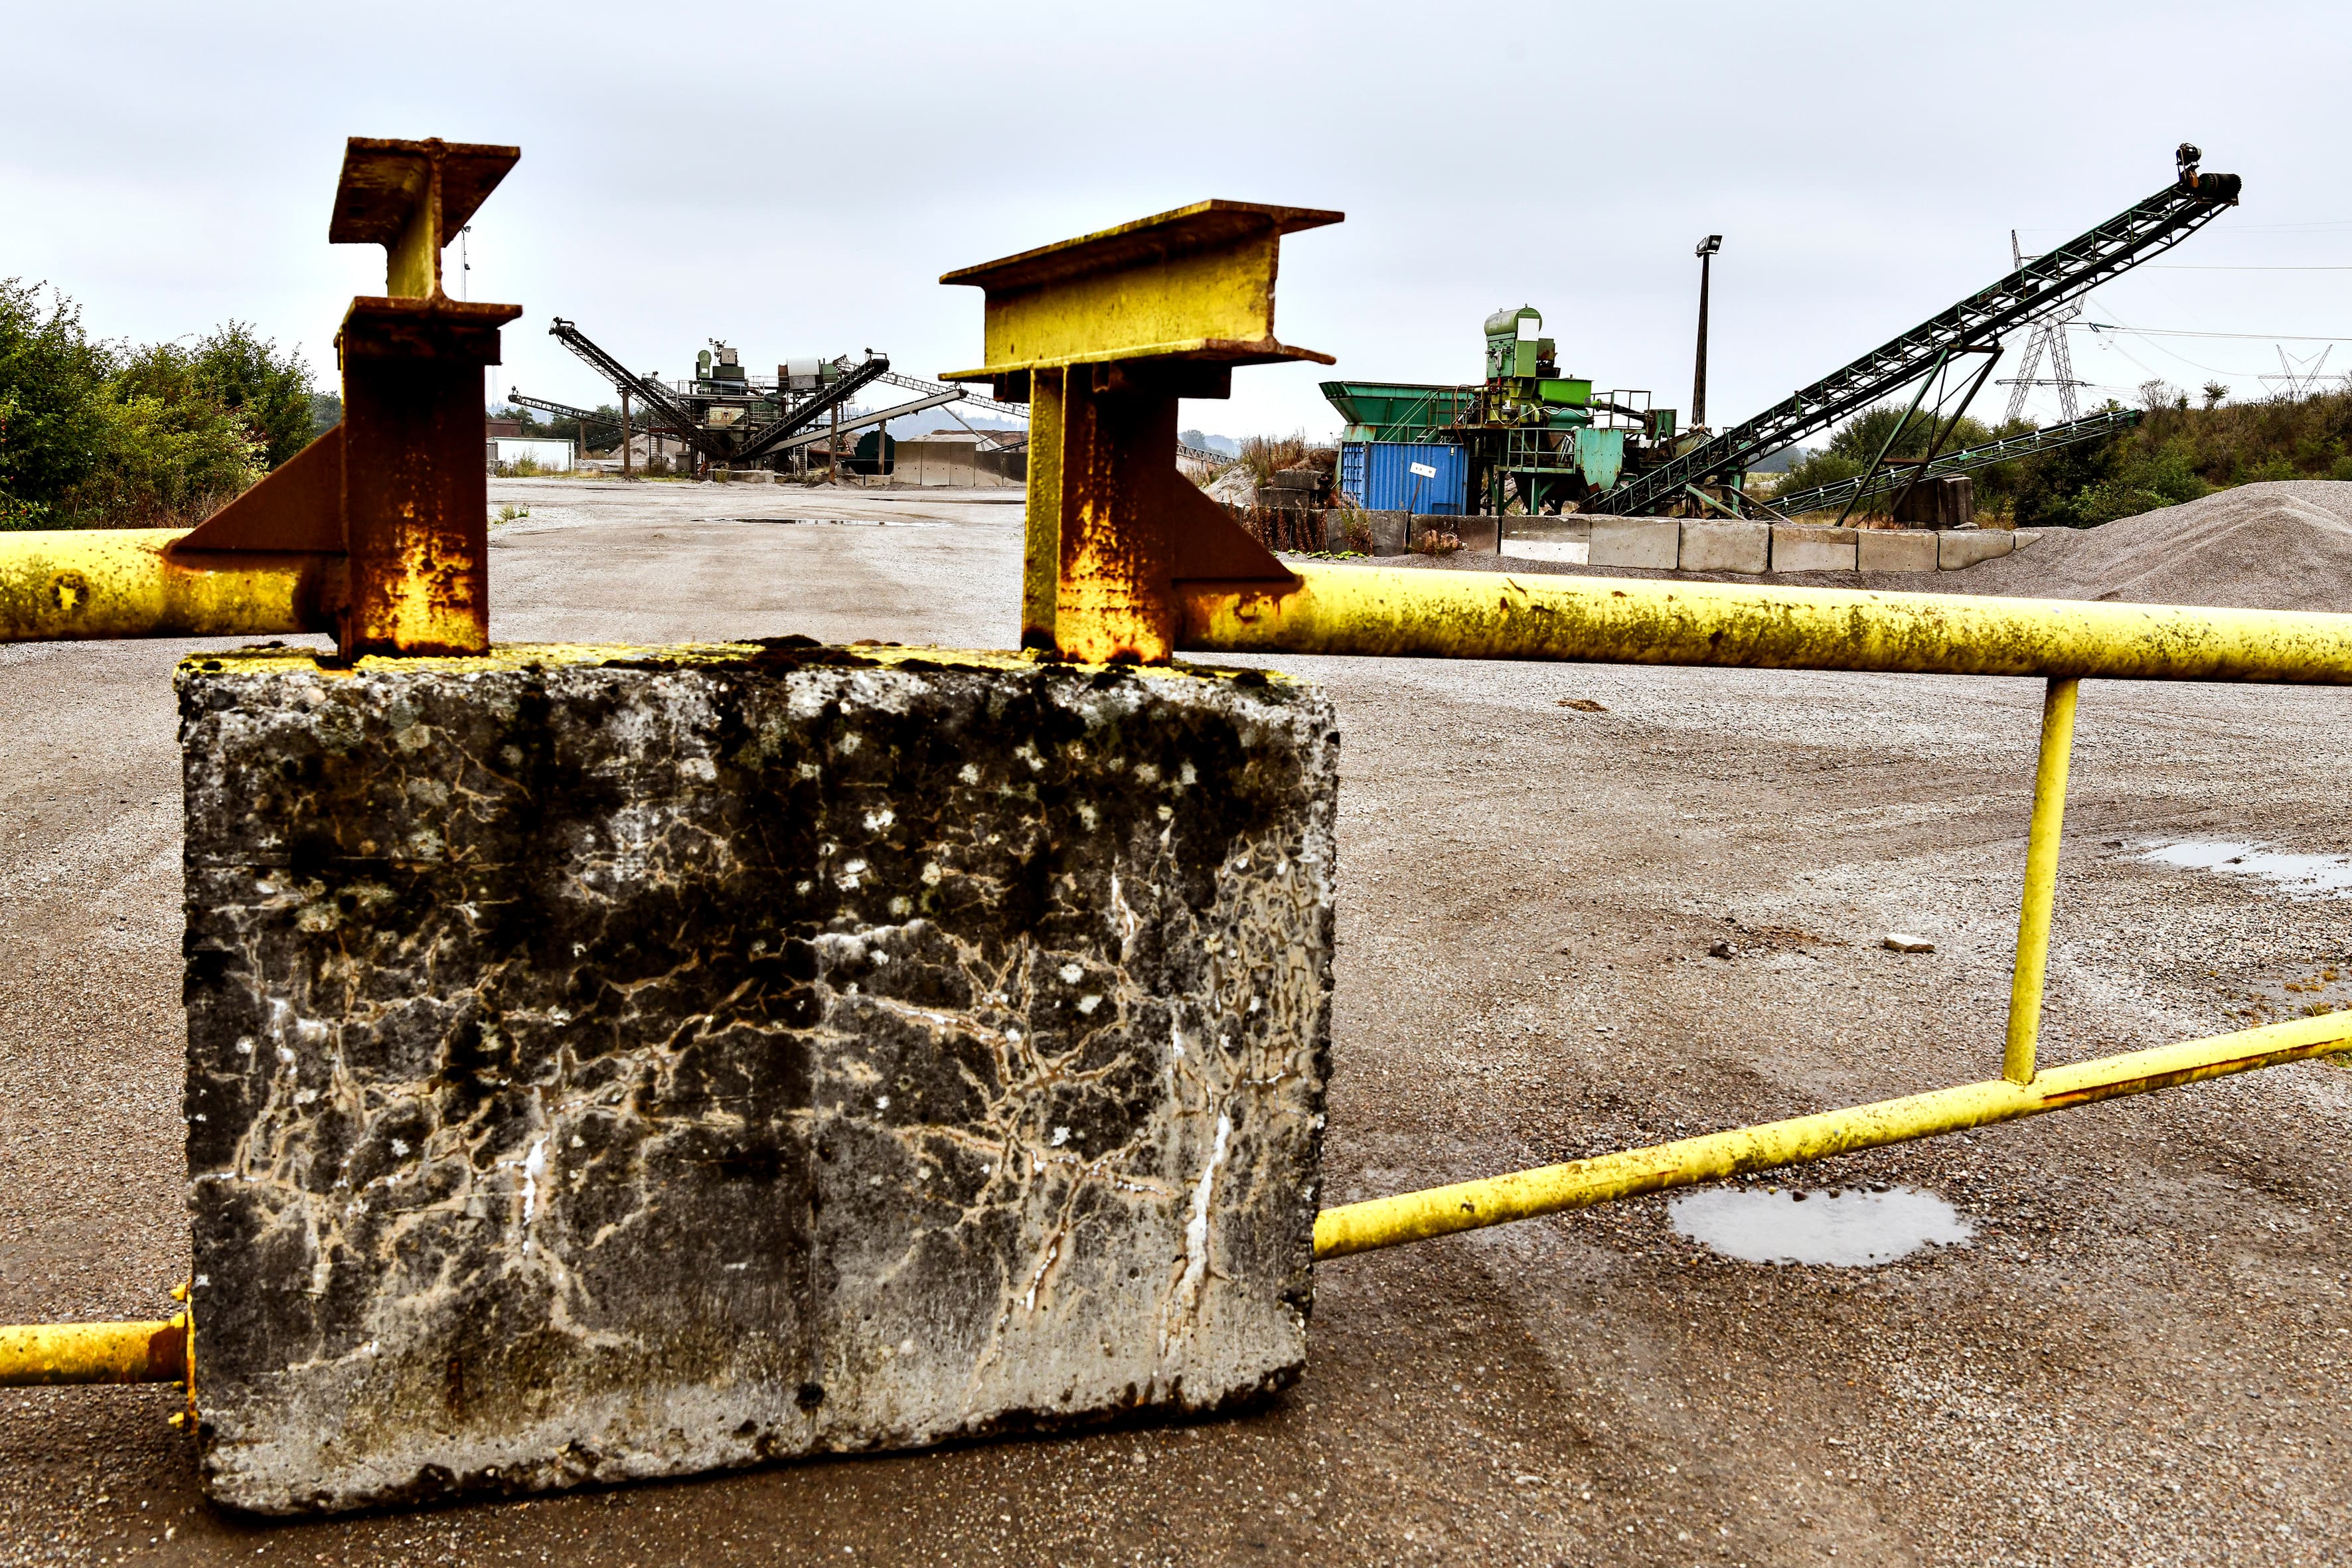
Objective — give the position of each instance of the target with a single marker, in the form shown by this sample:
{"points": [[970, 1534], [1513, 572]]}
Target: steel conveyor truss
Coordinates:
{"points": [[662, 407], [586, 418], [1845, 492], [801, 415], [2045, 284]]}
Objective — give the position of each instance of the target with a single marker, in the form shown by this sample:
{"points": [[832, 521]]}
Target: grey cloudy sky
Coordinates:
{"points": [[795, 179]]}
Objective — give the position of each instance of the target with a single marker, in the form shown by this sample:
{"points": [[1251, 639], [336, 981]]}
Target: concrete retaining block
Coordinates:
{"points": [[1479, 534], [1726, 546], [1387, 528], [1965, 547], [1905, 549], [1551, 530], [1647, 542], [1797, 548], [606, 1064]]}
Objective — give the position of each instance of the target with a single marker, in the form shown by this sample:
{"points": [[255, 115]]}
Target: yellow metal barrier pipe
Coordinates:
{"points": [[36, 1354], [71, 585], [1581, 1183], [1502, 614], [2026, 981]]}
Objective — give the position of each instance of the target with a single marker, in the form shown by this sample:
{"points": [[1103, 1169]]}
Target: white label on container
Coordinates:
{"points": [[1423, 469]]}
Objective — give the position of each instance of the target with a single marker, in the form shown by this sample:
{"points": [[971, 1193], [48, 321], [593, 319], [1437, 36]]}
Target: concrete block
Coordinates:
{"points": [[1476, 533], [607, 1063], [1726, 546], [1388, 529], [1903, 549], [1651, 541], [1965, 547], [1797, 548], [1551, 530]]}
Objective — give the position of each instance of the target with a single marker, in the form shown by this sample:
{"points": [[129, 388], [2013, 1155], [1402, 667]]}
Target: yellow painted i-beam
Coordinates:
{"points": [[1581, 1183], [2041, 842]]}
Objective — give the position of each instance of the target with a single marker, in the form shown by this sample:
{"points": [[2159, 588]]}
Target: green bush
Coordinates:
{"points": [[269, 393], [2175, 454], [171, 453], [94, 434], [54, 427]]}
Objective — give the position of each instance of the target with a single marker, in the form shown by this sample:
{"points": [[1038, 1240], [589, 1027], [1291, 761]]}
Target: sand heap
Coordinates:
{"points": [[2285, 546]]}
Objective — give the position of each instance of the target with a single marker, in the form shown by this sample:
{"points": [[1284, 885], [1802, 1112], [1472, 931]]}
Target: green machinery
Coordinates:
{"points": [[1533, 436], [1529, 435], [1542, 439]]}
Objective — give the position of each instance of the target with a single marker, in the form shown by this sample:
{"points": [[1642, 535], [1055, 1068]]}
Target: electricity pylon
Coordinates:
{"points": [[2050, 334]]}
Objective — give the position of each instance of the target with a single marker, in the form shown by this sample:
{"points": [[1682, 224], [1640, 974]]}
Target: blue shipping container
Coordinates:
{"points": [[1379, 475]]}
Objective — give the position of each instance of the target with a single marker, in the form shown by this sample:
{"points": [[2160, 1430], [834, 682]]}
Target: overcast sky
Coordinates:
{"points": [[793, 180]]}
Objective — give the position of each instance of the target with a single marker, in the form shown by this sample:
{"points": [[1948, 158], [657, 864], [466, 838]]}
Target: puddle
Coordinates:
{"points": [[1848, 1227], [2300, 876], [1574, 551]]}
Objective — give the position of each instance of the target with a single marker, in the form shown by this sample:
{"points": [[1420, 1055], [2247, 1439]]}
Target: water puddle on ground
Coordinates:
{"points": [[1849, 1226], [2299, 875]]}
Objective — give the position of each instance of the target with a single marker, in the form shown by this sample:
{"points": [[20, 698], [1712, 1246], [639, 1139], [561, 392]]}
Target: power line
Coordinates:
{"points": [[2241, 337], [2188, 267]]}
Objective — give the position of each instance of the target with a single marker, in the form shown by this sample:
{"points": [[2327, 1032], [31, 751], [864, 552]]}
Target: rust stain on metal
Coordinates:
{"points": [[378, 531], [415, 488], [1101, 336]]}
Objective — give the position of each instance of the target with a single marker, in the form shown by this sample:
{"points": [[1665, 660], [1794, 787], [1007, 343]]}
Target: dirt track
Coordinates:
{"points": [[2141, 1360]]}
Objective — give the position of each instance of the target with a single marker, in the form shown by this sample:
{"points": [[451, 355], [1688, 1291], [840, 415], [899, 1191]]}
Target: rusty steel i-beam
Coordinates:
{"points": [[378, 531]]}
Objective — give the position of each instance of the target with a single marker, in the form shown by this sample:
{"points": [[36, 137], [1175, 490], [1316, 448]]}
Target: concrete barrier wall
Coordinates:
{"points": [[1665, 544], [615, 1064], [1710, 545]]}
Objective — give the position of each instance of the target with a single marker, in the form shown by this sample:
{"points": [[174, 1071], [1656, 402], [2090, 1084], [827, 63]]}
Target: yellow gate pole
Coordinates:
{"points": [[34, 1355], [1383, 612], [2041, 841], [1581, 1183]]}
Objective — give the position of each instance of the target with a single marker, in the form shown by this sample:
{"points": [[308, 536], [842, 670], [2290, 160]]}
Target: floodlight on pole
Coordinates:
{"points": [[1705, 254]]}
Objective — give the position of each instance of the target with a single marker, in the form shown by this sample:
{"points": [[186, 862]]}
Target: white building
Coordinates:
{"points": [[551, 456]]}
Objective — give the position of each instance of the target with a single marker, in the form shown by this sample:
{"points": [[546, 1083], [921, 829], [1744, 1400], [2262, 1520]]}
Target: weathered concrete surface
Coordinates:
{"points": [[1387, 529], [1800, 547], [615, 1064], [1895, 550], [1479, 535], [1655, 542], [1957, 552], [1726, 546]]}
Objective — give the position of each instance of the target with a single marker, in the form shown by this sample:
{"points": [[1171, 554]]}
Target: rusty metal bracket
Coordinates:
{"points": [[1100, 336], [377, 532], [400, 489]]}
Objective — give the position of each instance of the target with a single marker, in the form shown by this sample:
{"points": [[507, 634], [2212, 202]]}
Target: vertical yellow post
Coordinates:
{"points": [[2041, 880]]}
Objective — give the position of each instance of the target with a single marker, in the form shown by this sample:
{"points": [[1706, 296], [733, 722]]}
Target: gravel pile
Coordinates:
{"points": [[2285, 546]]}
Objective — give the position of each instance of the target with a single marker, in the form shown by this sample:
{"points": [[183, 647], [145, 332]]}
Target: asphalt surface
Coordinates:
{"points": [[2141, 1359]]}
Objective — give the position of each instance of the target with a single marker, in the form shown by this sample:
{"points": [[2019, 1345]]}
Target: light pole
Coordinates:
{"points": [[1705, 254]]}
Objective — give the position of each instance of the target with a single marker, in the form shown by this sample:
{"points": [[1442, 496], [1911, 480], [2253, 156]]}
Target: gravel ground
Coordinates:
{"points": [[2141, 1360]]}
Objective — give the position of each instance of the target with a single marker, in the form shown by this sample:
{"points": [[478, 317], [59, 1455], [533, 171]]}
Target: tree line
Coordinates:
{"points": [[96, 433], [2176, 453]]}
